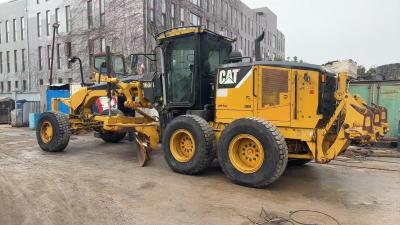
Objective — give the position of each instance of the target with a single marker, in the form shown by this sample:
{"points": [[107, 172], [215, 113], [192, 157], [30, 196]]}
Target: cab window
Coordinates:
{"points": [[117, 66], [181, 70]]}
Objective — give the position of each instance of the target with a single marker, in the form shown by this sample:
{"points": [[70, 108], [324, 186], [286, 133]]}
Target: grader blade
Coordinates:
{"points": [[142, 155], [142, 148]]}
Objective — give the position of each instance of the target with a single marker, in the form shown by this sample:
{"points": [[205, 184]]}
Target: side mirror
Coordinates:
{"points": [[134, 62]]}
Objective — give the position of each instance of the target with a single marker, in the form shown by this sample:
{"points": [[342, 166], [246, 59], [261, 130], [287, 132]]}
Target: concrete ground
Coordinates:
{"points": [[97, 183]]}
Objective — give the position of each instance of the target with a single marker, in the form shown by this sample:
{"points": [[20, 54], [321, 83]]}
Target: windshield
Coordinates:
{"points": [[215, 52], [180, 68], [116, 61]]}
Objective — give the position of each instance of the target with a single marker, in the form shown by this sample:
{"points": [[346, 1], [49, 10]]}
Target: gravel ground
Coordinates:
{"points": [[97, 183]]}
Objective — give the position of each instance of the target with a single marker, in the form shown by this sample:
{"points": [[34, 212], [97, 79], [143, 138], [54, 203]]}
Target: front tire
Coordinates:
{"points": [[189, 144], [252, 152], [52, 132]]}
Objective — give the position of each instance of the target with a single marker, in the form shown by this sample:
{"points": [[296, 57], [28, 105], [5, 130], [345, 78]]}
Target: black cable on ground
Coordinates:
{"points": [[312, 211], [267, 219]]}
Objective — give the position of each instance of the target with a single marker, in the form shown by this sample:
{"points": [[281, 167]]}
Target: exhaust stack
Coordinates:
{"points": [[257, 43]]}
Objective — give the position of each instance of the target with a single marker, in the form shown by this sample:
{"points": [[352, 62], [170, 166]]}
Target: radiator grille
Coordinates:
{"points": [[274, 82]]}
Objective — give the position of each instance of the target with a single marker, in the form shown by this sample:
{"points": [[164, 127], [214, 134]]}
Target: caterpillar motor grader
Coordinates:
{"points": [[253, 116]]}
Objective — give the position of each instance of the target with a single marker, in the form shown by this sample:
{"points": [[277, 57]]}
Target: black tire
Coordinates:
{"points": [[274, 148], [61, 133], [205, 144], [298, 162], [109, 136]]}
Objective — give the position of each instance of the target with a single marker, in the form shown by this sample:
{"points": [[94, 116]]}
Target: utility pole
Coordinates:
{"points": [[55, 28]]}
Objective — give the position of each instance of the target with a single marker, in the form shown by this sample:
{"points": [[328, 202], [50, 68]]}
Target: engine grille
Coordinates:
{"points": [[274, 82]]}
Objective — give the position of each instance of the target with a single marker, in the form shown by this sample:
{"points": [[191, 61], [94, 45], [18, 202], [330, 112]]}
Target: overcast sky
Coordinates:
{"points": [[318, 31]]}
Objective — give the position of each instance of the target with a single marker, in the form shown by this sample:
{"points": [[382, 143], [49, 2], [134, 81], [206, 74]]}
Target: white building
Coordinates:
{"points": [[87, 26]]}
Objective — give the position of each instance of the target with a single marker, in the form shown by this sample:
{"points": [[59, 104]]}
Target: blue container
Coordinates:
{"points": [[50, 94], [33, 120]]}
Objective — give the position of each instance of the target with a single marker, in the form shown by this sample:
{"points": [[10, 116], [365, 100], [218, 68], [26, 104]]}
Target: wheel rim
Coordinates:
{"points": [[246, 153], [46, 132], [182, 145]]}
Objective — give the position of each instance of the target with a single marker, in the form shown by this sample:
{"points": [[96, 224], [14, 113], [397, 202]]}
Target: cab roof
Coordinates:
{"points": [[181, 31]]}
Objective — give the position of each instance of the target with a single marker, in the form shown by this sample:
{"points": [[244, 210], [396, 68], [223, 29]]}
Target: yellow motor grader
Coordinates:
{"points": [[255, 117]]}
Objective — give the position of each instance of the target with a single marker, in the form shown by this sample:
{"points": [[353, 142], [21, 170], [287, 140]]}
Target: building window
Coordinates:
{"points": [[91, 51], [102, 45], [2, 87], [8, 86], [69, 80], [274, 42], [68, 25], [40, 55], [58, 57], [14, 30], [15, 61], [60, 80], [23, 59], [196, 2], [151, 9], [241, 21], [8, 61], [182, 17], [48, 56], [213, 6], [39, 24], [7, 31], [195, 20], [48, 23], [24, 85], [1, 32], [40, 81], [172, 15], [16, 85], [90, 14], [57, 18], [22, 21], [102, 12], [68, 52], [163, 13], [1, 62]]}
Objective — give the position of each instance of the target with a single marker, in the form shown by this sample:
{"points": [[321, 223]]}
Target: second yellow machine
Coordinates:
{"points": [[253, 116]]}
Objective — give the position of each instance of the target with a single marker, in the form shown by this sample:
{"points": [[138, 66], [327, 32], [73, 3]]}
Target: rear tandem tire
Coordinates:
{"points": [[189, 144], [52, 131], [252, 152]]}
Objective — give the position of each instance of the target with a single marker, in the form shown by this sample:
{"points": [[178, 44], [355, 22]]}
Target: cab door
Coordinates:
{"points": [[274, 97]]}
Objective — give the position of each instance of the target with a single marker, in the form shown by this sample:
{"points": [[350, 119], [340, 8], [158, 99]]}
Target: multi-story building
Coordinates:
{"points": [[128, 26]]}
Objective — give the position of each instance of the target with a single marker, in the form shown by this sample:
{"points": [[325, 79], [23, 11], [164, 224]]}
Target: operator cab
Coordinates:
{"points": [[191, 58], [99, 63]]}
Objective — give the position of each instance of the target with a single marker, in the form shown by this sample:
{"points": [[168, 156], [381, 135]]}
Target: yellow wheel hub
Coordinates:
{"points": [[182, 145], [246, 153], [46, 132]]}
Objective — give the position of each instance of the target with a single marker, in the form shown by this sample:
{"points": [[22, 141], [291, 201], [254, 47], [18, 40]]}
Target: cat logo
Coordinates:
{"points": [[228, 77], [148, 84]]}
